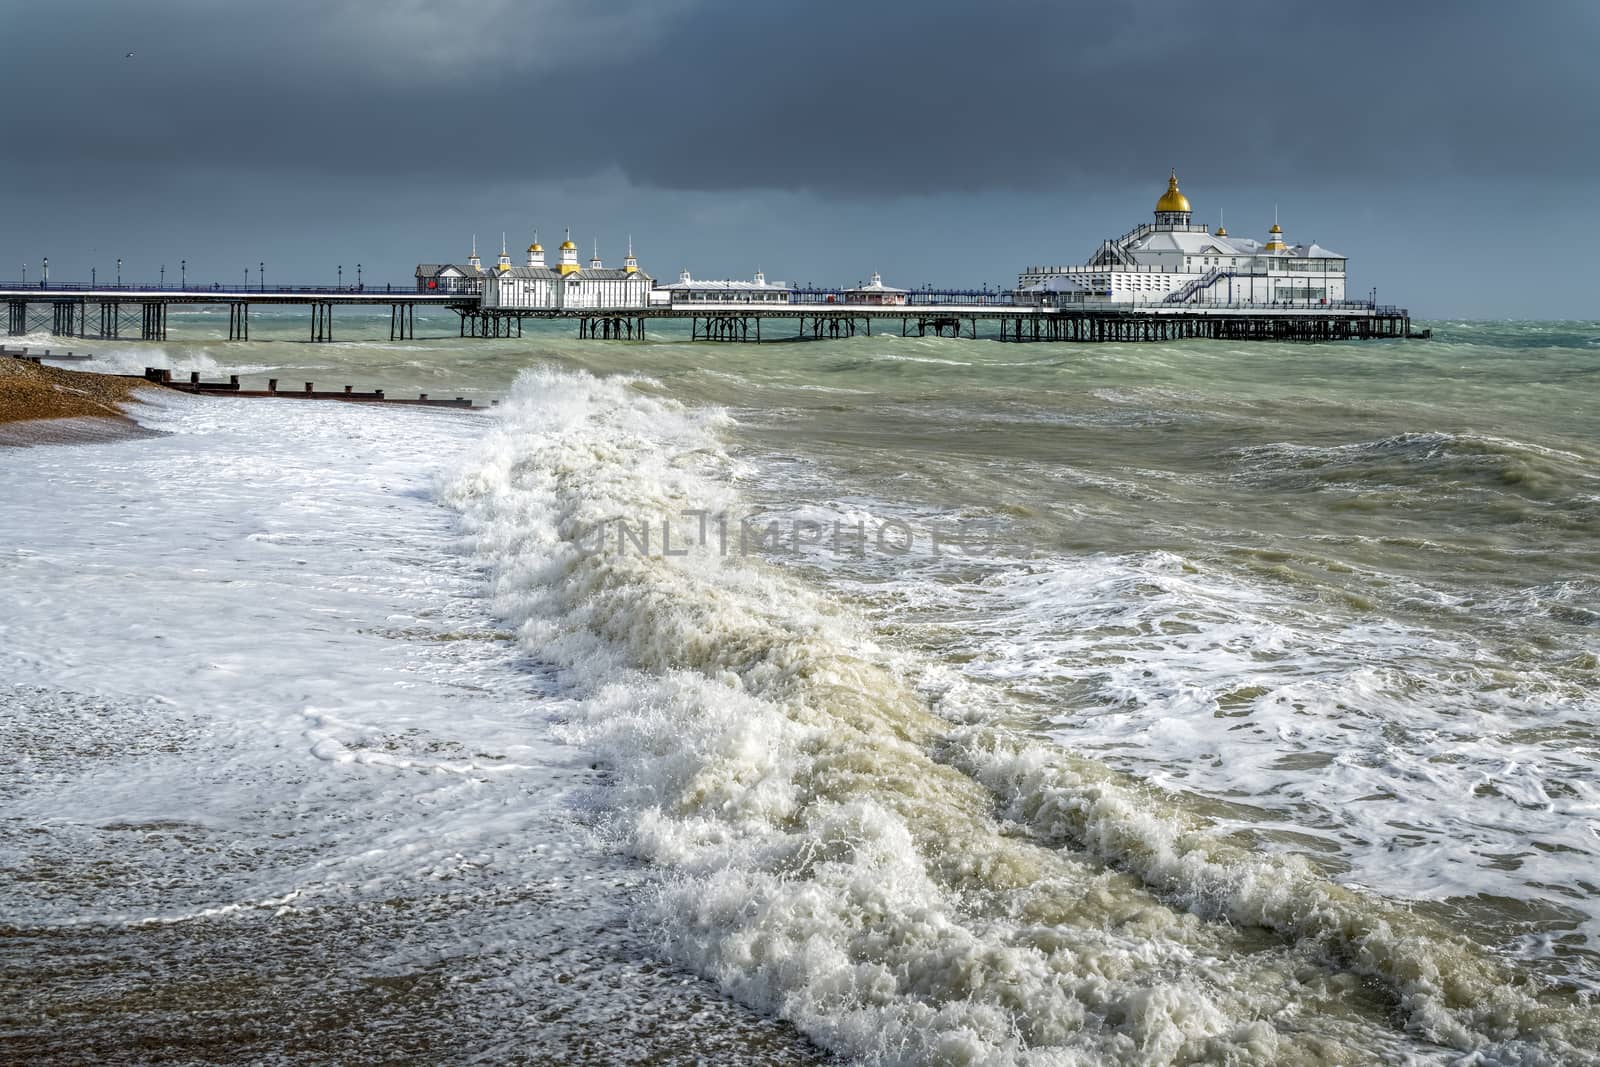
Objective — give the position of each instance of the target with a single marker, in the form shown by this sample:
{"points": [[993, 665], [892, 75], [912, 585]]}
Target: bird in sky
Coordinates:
{"points": [[128, 56]]}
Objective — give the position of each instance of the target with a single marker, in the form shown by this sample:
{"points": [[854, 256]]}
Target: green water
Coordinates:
{"points": [[1339, 602]]}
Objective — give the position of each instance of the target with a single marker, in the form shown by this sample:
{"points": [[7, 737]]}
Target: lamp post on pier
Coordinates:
{"points": [[92, 282], [183, 274], [261, 275], [341, 275], [163, 276], [119, 272], [358, 276], [247, 277], [45, 281]]}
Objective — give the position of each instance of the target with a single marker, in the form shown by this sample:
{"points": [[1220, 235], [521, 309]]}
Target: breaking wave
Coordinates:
{"points": [[894, 870]]}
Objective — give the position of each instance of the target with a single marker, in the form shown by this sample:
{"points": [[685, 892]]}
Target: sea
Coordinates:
{"points": [[885, 700]]}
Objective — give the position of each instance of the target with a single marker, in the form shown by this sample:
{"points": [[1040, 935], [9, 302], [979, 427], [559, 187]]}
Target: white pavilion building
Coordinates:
{"points": [[567, 284], [1176, 261], [690, 290], [452, 277], [875, 292]]}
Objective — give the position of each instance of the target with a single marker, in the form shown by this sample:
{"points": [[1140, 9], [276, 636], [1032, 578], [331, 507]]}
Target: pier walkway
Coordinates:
{"points": [[140, 312], [128, 311]]}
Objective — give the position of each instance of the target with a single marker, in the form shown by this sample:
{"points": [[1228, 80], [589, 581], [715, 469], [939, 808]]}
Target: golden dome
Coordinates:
{"points": [[568, 245], [1172, 199], [1222, 231], [536, 247], [1275, 228]]}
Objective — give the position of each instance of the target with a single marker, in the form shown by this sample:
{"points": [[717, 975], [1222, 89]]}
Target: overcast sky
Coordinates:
{"points": [[1447, 148]]}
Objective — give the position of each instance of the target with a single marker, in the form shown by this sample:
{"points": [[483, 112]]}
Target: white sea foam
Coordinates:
{"points": [[1352, 737], [261, 732], [905, 887]]}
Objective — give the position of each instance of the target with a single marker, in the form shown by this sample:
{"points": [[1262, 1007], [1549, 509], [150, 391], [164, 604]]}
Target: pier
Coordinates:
{"points": [[108, 312], [126, 312], [823, 314], [801, 321]]}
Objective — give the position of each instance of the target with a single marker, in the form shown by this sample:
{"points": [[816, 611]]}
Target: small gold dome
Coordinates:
{"points": [[566, 245], [1275, 228], [1172, 199], [536, 247], [1222, 231]]}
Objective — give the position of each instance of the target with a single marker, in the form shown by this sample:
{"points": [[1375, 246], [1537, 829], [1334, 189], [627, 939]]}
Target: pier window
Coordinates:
{"points": [[1290, 294]]}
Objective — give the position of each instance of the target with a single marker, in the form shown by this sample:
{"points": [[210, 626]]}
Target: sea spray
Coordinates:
{"points": [[834, 851]]}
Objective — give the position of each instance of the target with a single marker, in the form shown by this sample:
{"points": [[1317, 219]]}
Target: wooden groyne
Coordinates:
{"points": [[232, 387], [40, 357]]}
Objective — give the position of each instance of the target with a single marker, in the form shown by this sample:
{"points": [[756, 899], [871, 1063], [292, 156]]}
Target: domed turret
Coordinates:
{"points": [[1173, 207], [504, 263], [569, 256], [1275, 240], [536, 252], [1173, 199]]}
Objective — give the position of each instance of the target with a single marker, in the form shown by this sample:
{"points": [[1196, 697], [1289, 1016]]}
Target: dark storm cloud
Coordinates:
{"points": [[854, 100]]}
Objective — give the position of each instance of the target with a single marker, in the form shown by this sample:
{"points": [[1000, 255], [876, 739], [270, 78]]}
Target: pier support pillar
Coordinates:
{"points": [[154, 326], [64, 318], [16, 317], [321, 321], [610, 327], [402, 322], [238, 321]]}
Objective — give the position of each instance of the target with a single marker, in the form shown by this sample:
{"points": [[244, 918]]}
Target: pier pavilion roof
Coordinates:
{"points": [[1210, 244], [686, 284], [1195, 244], [875, 286], [433, 270]]}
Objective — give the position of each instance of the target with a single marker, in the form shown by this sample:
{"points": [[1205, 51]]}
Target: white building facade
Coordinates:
{"points": [[691, 290], [1176, 261], [875, 292], [567, 285]]}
